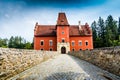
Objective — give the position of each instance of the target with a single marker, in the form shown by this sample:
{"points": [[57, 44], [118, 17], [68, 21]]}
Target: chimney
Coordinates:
{"points": [[79, 23]]}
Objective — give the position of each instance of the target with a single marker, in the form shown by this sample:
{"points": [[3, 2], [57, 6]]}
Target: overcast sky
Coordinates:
{"points": [[18, 17]]}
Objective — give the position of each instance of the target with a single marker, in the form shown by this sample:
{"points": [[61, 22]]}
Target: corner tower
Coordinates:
{"points": [[62, 25]]}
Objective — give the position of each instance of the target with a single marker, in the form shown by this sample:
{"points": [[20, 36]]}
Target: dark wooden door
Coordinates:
{"points": [[63, 50]]}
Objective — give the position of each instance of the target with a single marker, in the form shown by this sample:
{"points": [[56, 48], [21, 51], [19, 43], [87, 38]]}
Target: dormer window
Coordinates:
{"points": [[62, 20]]}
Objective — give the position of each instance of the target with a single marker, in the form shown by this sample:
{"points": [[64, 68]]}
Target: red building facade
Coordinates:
{"points": [[63, 37]]}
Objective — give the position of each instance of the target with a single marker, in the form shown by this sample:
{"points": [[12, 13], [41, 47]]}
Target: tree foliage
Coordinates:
{"points": [[16, 42], [107, 32]]}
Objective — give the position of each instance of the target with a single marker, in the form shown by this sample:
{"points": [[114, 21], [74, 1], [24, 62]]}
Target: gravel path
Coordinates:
{"points": [[65, 67]]}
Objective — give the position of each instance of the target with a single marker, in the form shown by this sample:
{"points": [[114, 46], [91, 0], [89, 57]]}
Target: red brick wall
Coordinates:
{"points": [[60, 29], [83, 39], [46, 45]]}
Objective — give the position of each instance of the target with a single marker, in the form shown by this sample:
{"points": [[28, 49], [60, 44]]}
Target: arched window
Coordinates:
{"points": [[86, 42], [73, 43], [42, 42], [80, 43]]}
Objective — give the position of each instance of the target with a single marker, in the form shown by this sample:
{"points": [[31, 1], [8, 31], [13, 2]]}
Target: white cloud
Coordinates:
{"points": [[21, 22]]}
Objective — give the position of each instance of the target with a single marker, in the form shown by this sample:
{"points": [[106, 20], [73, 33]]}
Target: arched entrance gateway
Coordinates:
{"points": [[63, 50]]}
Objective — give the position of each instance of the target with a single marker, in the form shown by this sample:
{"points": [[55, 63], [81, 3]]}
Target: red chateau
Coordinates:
{"points": [[63, 37]]}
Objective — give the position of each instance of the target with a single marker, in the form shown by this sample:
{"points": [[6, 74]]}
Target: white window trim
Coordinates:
{"points": [[86, 40], [41, 41]]}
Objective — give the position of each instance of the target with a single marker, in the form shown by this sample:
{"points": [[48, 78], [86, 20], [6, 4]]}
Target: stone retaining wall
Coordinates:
{"points": [[14, 61], [106, 59]]}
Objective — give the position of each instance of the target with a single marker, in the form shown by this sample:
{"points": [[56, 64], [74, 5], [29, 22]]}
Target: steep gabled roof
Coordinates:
{"points": [[62, 20]]}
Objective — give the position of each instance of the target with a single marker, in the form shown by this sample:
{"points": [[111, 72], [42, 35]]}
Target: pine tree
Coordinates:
{"points": [[94, 32], [108, 36], [101, 31], [112, 24]]}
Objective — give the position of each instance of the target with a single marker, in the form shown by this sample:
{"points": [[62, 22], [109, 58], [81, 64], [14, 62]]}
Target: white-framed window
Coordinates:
{"points": [[63, 40], [86, 43], [73, 43], [41, 49], [50, 42], [80, 43], [42, 42], [51, 49]]}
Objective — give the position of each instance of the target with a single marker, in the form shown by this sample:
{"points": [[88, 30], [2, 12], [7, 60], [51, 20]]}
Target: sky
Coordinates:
{"points": [[18, 17]]}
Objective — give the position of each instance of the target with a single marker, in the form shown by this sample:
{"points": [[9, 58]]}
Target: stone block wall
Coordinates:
{"points": [[14, 61], [106, 59]]}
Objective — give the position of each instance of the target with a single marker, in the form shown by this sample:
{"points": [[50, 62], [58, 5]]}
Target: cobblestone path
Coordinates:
{"points": [[65, 67]]}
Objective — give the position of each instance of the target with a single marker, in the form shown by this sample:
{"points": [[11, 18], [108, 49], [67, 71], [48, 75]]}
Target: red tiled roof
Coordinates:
{"points": [[50, 30], [74, 30], [45, 30]]}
